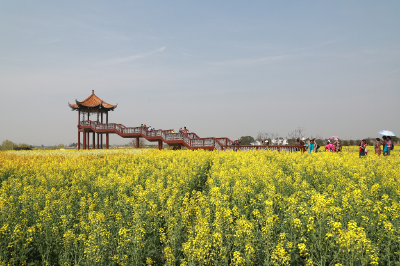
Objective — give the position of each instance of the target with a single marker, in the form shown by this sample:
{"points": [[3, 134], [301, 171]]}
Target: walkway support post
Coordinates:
{"points": [[137, 143], [79, 133], [84, 140], [160, 144], [107, 138], [79, 140], [94, 140], [101, 135]]}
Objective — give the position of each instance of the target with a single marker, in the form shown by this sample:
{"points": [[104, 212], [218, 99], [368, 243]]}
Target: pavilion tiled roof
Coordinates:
{"points": [[92, 102]]}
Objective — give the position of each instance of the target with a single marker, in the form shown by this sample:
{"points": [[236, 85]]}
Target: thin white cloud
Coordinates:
{"points": [[120, 60], [394, 71], [318, 45], [253, 61], [50, 41]]}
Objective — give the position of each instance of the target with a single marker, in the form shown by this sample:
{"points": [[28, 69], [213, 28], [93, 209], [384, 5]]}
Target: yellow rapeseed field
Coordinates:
{"points": [[141, 207]]}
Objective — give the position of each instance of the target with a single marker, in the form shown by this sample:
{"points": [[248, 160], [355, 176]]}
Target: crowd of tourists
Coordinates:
{"points": [[383, 146], [149, 128], [386, 143], [311, 145]]}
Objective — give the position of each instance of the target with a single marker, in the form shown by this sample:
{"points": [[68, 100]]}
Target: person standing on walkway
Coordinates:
{"points": [[185, 130], [378, 149]]}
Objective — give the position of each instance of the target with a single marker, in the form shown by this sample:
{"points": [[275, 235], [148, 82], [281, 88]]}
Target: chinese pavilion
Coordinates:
{"points": [[92, 105]]}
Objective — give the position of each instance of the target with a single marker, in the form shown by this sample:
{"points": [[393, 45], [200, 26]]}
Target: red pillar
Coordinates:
{"points": [[84, 140], [137, 143], [101, 135], [107, 137], [94, 140], [160, 144], [79, 133], [88, 140], [98, 137]]}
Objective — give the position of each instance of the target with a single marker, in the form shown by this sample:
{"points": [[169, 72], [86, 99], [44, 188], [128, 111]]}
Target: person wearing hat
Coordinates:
{"points": [[337, 145], [378, 145], [303, 143], [312, 146], [235, 143]]}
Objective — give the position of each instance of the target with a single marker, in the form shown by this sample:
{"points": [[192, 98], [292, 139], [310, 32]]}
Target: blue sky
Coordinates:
{"points": [[221, 68]]}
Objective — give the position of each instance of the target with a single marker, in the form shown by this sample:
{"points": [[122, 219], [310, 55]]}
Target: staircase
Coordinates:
{"points": [[190, 140]]}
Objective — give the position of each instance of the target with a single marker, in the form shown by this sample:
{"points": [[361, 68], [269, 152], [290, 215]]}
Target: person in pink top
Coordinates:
{"points": [[388, 145], [327, 147], [185, 130], [332, 147]]}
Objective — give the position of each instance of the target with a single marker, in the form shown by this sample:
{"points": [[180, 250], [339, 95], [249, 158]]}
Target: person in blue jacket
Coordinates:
{"points": [[311, 146]]}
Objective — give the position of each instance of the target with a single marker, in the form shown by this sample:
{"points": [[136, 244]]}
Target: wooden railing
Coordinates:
{"points": [[279, 148]]}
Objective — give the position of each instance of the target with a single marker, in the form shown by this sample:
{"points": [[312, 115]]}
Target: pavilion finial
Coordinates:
{"points": [[92, 91]]}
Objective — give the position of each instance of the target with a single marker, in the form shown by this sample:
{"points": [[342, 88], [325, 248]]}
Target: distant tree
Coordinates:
{"points": [[345, 142], [8, 145], [74, 145], [246, 140], [351, 142], [262, 136], [59, 146], [395, 139], [296, 134], [23, 145], [142, 142], [369, 142]]}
